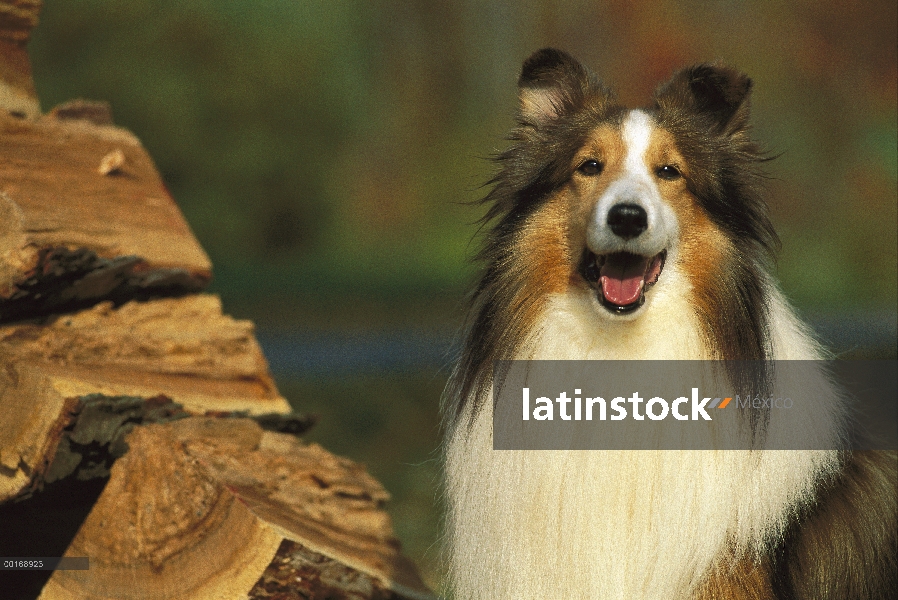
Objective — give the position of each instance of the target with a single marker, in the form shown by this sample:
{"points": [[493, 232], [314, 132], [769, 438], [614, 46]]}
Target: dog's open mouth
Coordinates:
{"points": [[621, 279]]}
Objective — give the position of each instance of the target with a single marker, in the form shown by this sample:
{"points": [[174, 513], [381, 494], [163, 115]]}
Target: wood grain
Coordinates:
{"points": [[200, 507], [70, 236], [184, 349]]}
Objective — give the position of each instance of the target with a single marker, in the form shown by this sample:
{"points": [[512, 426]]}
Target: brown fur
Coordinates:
{"points": [[846, 546], [842, 548], [744, 580], [544, 246]]}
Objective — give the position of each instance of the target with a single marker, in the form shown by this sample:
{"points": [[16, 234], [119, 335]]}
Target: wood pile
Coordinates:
{"points": [[139, 424]]}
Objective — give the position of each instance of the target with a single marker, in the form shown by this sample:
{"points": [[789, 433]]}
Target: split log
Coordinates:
{"points": [[184, 349], [211, 508], [89, 436], [84, 216], [70, 235]]}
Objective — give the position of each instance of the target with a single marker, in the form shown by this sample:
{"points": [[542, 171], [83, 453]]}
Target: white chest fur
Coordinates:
{"points": [[618, 524]]}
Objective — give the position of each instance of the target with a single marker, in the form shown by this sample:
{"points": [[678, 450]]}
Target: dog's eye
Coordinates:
{"points": [[668, 172], [591, 167]]}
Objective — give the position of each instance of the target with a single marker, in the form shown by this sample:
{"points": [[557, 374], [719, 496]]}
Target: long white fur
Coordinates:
{"points": [[624, 525]]}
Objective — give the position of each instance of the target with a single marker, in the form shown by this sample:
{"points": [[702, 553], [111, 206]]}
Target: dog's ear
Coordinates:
{"points": [[551, 84], [719, 93]]}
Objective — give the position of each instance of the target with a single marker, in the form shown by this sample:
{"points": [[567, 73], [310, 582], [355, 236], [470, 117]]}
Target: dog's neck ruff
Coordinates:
{"points": [[609, 524]]}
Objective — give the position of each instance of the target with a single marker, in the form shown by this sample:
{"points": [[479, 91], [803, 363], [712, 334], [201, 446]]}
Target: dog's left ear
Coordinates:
{"points": [[552, 83], [719, 93]]}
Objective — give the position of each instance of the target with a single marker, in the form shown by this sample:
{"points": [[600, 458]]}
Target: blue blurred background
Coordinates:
{"points": [[323, 152]]}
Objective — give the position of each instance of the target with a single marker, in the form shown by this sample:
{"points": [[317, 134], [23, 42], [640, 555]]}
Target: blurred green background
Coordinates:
{"points": [[323, 151]]}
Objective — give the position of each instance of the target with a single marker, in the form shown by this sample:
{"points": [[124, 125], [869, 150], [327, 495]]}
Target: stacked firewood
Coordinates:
{"points": [[139, 425]]}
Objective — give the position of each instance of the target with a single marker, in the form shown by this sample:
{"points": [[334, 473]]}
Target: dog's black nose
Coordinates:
{"points": [[627, 220]]}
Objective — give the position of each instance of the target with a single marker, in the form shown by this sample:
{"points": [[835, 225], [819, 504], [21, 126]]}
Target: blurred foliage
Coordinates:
{"points": [[315, 147], [323, 151], [320, 149]]}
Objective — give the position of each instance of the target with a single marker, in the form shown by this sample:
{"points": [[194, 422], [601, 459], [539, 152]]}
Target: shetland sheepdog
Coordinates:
{"points": [[644, 234]]}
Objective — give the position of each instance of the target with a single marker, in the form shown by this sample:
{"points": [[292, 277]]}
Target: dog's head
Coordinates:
{"points": [[614, 194], [615, 204]]}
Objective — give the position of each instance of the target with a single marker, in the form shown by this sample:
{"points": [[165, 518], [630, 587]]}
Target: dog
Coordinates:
{"points": [[644, 234]]}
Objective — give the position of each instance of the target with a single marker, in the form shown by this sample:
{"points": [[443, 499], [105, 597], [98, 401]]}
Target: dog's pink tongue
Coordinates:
{"points": [[622, 278]]}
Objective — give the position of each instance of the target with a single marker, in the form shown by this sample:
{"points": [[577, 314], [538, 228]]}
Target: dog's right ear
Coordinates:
{"points": [[552, 83], [715, 91]]}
